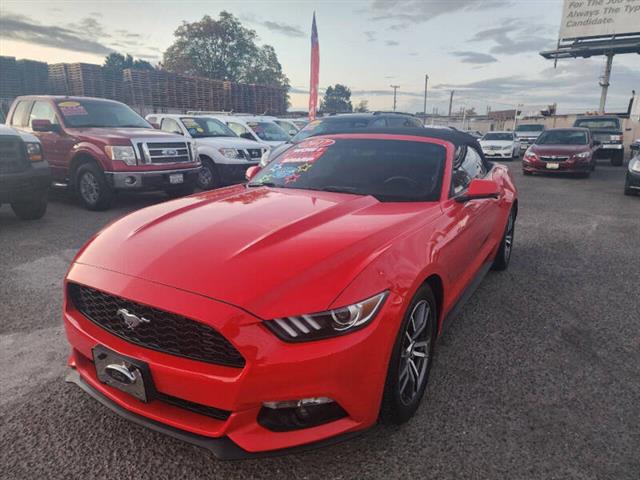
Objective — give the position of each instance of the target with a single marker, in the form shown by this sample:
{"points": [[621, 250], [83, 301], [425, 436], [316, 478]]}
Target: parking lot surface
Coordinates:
{"points": [[538, 377]]}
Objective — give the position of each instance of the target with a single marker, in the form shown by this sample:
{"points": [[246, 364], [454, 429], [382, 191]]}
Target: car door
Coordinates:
{"points": [[55, 144]]}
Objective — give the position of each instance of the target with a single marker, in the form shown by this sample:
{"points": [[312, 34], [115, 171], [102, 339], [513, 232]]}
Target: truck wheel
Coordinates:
{"points": [[181, 191], [32, 209], [208, 176], [617, 158], [92, 188]]}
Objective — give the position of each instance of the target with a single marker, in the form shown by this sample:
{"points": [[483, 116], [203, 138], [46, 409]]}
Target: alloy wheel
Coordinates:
{"points": [[205, 176], [89, 188], [416, 352]]}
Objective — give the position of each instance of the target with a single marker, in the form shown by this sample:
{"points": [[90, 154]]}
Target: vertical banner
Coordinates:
{"points": [[315, 70]]}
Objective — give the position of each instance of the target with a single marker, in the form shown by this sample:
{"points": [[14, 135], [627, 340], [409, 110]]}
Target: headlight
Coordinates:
{"points": [[231, 153], [303, 328], [124, 154], [583, 155], [634, 166], [264, 159], [34, 151], [530, 155]]}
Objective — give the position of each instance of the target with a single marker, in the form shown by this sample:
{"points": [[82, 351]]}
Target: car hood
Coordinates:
{"points": [[273, 252], [26, 137], [229, 142], [125, 133], [558, 149], [496, 143]]}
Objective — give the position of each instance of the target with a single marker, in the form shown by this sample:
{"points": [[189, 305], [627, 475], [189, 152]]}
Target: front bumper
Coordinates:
{"points": [[567, 166], [150, 180], [341, 368], [24, 185], [498, 154], [633, 181]]}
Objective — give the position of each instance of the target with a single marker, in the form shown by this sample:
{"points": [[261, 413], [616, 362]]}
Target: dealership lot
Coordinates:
{"points": [[538, 377]]}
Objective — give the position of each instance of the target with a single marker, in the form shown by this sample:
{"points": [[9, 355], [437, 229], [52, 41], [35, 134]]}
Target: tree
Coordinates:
{"points": [[336, 99], [117, 62], [223, 49], [362, 107]]}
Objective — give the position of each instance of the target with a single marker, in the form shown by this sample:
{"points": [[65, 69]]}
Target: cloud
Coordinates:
{"points": [[414, 54], [423, 11], [515, 38], [371, 36], [391, 43], [277, 27], [90, 26], [475, 57], [19, 28]]}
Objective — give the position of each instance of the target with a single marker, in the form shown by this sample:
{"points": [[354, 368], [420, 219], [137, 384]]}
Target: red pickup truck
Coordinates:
{"points": [[98, 146]]}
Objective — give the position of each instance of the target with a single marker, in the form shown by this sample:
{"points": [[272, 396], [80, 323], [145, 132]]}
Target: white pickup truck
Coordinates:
{"points": [[225, 156]]}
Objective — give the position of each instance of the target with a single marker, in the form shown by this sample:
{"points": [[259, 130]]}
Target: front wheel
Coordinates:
{"points": [[92, 188], [411, 359], [501, 262], [208, 176], [31, 209]]}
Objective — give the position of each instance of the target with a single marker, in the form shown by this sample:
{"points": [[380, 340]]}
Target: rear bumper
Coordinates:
{"points": [[606, 150], [341, 368], [24, 185], [150, 180]]}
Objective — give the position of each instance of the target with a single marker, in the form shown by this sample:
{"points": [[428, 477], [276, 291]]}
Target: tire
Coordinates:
{"points": [[404, 388], [91, 187], [181, 191], [525, 172], [617, 158], [627, 188], [31, 209], [208, 177], [501, 262]]}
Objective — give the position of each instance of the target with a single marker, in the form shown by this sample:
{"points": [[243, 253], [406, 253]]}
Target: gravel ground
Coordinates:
{"points": [[538, 377]]}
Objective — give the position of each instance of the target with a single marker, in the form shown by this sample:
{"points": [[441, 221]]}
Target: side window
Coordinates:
{"points": [[397, 122], [171, 126], [152, 119], [237, 128], [20, 114], [377, 123], [43, 111], [470, 167]]}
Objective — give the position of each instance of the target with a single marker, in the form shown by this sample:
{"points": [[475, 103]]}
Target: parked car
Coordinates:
{"points": [[98, 147], [298, 308], [225, 157], [300, 122], [632, 178], [287, 125], [24, 174], [561, 150], [263, 130], [345, 122], [608, 131], [527, 133], [474, 133], [500, 145]]}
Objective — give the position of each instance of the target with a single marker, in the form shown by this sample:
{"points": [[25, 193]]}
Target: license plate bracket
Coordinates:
{"points": [[553, 165], [126, 374], [176, 178]]}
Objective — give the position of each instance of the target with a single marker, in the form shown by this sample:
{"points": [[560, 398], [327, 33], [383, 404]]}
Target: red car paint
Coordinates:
{"points": [[234, 257], [537, 157]]}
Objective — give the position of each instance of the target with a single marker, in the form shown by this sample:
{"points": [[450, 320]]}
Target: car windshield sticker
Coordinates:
{"points": [[192, 125], [256, 127], [308, 151], [72, 108]]}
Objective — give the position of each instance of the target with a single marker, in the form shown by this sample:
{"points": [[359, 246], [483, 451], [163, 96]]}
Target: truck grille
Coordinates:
{"points": [[165, 152], [13, 158], [164, 332]]}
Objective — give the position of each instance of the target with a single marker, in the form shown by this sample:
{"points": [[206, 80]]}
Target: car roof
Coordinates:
{"points": [[455, 137], [575, 129], [64, 97]]}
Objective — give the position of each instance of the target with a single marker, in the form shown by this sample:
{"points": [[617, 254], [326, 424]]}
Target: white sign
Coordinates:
{"points": [[595, 18]]}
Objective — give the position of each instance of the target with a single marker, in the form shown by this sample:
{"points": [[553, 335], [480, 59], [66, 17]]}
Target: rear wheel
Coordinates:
{"points": [[525, 172], [31, 209], [92, 188], [411, 359], [501, 262], [208, 176]]}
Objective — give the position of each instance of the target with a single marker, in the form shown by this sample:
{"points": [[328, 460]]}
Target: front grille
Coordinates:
{"points": [[13, 158], [165, 152], [553, 159], [254, 153], [164, 331]]}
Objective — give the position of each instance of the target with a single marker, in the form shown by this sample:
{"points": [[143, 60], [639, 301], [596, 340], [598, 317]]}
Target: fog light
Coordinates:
{"points": [[130, 180], [297, 414]]}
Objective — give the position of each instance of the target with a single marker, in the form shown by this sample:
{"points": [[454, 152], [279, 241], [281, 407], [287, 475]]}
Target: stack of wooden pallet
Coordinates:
{"points": [[137, 87], [9, 78], [34, 77]]}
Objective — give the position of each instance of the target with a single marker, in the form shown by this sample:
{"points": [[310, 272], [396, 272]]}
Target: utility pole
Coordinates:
{"points": [[424, 110], [451, 101], [395, 88], [604, 82]]}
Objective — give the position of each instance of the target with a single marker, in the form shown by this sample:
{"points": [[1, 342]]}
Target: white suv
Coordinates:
{"points": [[259, 128], [225, 156]]}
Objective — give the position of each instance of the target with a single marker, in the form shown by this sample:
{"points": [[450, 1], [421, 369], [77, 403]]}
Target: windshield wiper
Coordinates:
{"points": [[337, 189], [261, 184]]}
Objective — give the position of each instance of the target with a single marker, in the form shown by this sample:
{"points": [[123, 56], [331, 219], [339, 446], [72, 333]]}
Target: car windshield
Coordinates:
{"points": [[529, 128], [95, 113], [605, 123], [498, 136], [201, 127], [562, 137], [268, 131], [390, 170]]}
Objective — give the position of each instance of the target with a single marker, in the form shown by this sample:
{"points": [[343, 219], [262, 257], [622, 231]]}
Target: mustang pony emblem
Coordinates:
{"points": [[131, 320]]}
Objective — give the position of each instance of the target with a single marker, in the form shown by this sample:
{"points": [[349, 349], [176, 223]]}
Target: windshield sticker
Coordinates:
{"points": [[190, 123], [307, 151], [72, 108]]}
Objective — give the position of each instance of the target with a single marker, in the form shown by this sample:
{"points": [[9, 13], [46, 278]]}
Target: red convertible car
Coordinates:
{"points": [[297, 309]]}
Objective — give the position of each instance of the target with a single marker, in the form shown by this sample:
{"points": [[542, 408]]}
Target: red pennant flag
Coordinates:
{"points": [[315, 70]]}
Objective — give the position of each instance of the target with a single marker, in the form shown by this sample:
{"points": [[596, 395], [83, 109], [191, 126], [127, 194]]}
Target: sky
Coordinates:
{"points": [[485, 50]]}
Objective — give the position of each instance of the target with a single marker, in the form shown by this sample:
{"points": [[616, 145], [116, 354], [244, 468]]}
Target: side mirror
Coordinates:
{"points": [[251, 172], [43, 126], [247, 136], [155, 125], [479, 189]]}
